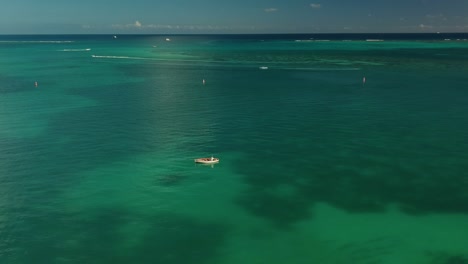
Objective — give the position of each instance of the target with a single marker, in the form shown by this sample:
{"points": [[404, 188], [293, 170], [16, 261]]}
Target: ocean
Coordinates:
{"points": [[333, 148]]}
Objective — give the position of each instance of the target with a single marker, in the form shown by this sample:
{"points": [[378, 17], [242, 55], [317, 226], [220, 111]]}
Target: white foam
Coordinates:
{"points": [[119, 57], [72, 50], [321, 69], [312, 40]]}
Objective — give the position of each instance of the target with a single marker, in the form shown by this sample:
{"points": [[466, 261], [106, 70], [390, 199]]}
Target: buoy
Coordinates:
{"points": [[203, 81], [364, 79], [35, 84]]}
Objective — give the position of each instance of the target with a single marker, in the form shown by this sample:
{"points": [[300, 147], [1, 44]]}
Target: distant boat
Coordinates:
{"points": [[211, 160], [115, 36], [168, 39], [263, 68]]}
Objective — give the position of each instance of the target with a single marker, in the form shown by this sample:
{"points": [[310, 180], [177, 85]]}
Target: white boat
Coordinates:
{"points": [[263, 68], [211, 160]]}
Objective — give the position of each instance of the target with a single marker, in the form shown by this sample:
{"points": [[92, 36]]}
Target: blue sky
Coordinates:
{"points": [[234, 16]]}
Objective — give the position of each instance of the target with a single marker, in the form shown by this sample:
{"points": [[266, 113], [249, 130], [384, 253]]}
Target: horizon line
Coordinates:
{"points": [[149, 34]]}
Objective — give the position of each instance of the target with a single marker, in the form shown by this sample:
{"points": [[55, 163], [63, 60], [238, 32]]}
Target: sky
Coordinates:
{"points": [[231, 17]]}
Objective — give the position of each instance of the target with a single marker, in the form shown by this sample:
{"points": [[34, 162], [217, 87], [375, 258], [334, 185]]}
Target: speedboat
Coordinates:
{"points": [[211, 160]]}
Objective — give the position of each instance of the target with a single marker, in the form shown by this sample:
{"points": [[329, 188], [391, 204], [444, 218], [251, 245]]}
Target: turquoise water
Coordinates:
{"points": [[96, 162]]}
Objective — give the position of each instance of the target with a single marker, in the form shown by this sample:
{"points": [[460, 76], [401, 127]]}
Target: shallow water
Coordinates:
{"points": [[96, 162]]}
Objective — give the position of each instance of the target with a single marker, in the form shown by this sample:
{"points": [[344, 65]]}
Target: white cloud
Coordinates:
{"points": [[271, 9], [316, 6], [177, 28], [439, 17], [137, 24], [423, 26]]}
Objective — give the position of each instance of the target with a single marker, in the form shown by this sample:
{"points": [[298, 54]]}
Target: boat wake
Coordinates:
{"points": [[74, 50], [221, 65], [119, 57], [319, 69]]}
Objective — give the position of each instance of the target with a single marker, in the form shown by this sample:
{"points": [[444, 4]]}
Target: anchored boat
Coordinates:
{"points": [[211, 160]]}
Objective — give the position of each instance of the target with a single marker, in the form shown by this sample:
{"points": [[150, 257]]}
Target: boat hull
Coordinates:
{"points": [[207, 160]]}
